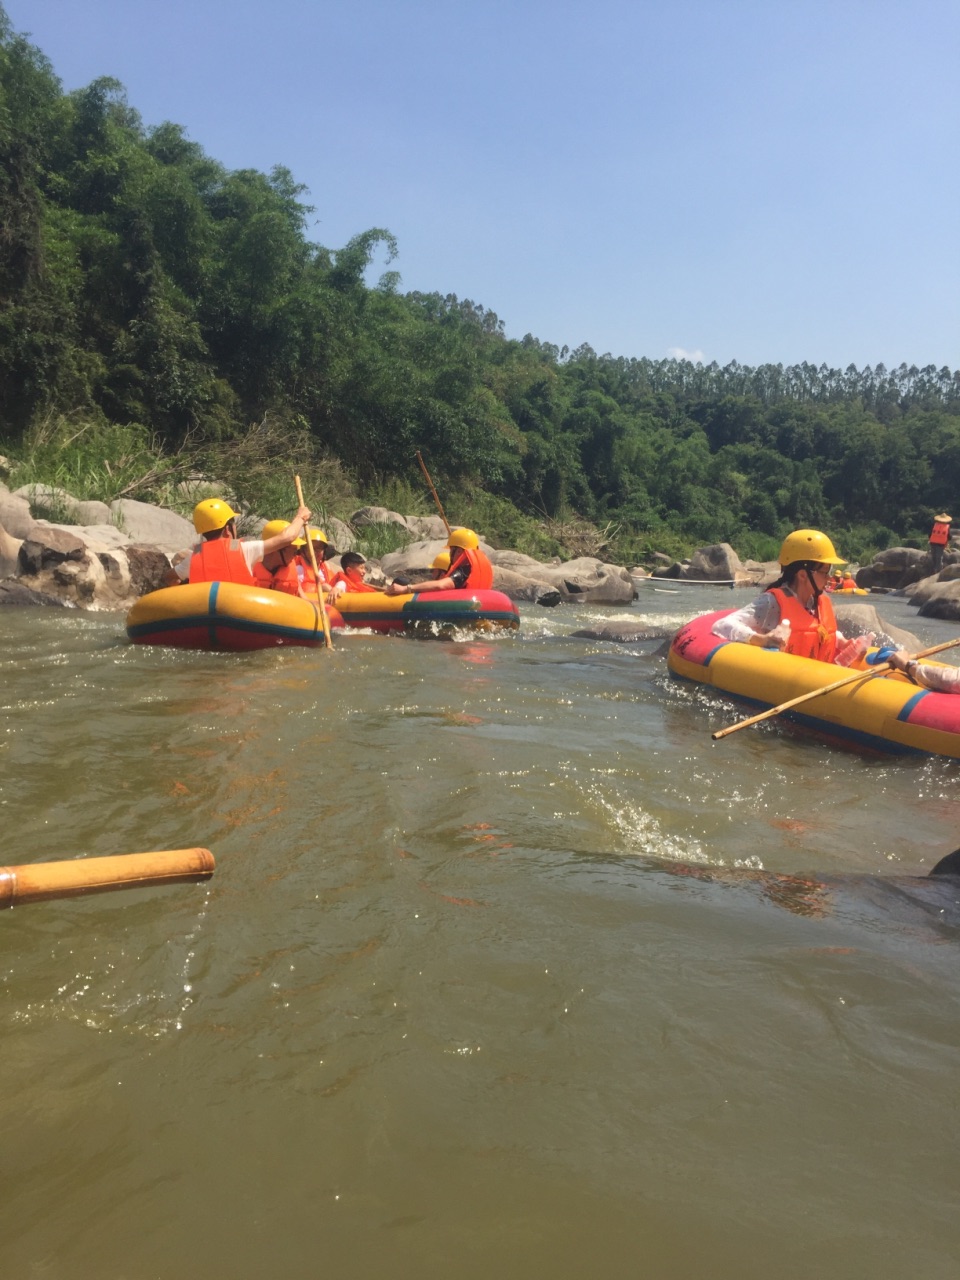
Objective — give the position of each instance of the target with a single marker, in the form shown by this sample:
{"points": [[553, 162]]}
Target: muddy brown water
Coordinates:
{"points": [[447, 1007]]}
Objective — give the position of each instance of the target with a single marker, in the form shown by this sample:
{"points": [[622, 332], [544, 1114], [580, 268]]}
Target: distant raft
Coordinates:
{"points": [[883, 713], [429, 613], [226, 615]]}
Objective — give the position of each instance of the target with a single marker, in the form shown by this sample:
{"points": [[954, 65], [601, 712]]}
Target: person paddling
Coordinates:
{"points": [[221, 556]]}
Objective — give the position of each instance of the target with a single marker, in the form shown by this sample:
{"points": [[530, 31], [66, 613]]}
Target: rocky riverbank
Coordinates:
{"points": [[100, 556]]}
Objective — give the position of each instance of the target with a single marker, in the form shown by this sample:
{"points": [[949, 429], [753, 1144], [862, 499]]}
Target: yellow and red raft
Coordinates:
{"points": [[884, 713]]}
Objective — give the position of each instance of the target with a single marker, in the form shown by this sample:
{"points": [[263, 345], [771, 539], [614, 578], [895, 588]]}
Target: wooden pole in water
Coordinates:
{"points": [[38, 881]]}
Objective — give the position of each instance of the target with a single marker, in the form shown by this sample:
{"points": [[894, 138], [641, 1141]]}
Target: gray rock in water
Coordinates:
{"points": [[624, 633], [717, 563], [15, 593], [942, 601]]}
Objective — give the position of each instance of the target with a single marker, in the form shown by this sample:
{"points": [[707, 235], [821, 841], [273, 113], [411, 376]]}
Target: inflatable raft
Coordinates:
{"points": [[429, 613], [884, 713], [225, 615]]}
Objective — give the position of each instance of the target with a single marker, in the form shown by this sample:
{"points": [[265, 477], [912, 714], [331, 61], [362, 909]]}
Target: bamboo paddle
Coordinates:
{"points": [[436, 496], [328, 639], [828, 688], [38, 881]]}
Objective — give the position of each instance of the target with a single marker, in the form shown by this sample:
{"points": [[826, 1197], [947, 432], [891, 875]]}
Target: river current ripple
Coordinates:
{"points": [[482, 984]]}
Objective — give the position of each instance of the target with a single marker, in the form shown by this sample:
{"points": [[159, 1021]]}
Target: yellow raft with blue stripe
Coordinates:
{"points": [[226, 615], [884, 713]]}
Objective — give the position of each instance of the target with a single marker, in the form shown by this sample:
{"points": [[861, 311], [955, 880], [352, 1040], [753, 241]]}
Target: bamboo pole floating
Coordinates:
{"points": [[38, 881], [325, 621], [828, 688], [436, 496]]}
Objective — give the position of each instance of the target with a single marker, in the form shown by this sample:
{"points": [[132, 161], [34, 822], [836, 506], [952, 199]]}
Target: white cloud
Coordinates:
{"points": [[680, 353]]}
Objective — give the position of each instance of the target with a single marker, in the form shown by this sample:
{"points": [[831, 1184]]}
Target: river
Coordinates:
{"points": [[447, 1007]]}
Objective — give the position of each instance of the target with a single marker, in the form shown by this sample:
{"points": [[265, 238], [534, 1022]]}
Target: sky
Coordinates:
{"points": [[751, 180]]}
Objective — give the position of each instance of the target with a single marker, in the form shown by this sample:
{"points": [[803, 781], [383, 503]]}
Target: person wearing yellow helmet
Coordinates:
{"points": [[469, 568], [278, 569], [322, 550], [794, 614], [220, 556]]}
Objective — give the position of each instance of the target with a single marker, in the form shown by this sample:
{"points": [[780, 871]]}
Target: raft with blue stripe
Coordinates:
{"points": [[885, 713], [429, 613], [226, 615]]}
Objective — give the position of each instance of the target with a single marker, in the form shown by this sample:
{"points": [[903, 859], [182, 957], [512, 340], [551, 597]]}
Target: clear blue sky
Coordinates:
{"points": [[759, 180]]}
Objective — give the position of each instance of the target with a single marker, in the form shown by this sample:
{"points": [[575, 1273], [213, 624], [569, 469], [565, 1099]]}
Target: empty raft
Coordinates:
{"points": [[225, 615]]}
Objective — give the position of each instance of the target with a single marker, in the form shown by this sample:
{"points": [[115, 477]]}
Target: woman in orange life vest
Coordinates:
{"points": [[849, 582], [939, 537], [794, 614], [220, 556], [469, 568], [278, 569], [350, 575]]}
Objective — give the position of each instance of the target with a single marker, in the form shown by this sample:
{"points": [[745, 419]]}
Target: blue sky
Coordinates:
{"points": [[759, 180]]}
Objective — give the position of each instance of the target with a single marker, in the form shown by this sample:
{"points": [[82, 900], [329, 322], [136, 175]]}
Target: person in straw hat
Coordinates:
{"points": [[939, 537]]}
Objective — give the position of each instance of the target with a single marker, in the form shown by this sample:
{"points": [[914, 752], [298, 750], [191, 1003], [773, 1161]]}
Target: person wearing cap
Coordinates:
{"points": [[795, 614], [939, 537], [469, 568], [220, 556], [349, 577]]}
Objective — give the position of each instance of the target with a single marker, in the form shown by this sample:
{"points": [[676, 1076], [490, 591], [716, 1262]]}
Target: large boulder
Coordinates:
{"points": [[377, 515], [942, 601], [84, 571], [15, 514], [716, 563], [145, 523], [9, 553], [895, 568], [587, 580]]}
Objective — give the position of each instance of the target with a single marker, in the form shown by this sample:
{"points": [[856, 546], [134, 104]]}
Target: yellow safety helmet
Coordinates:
{"points": [[441, 561], [272, 528], [838, 573], [211, 514], [808, 544], [317, 535], [464, 538]]}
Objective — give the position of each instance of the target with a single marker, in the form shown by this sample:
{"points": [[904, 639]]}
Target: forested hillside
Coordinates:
{"points": [[155, 306]]}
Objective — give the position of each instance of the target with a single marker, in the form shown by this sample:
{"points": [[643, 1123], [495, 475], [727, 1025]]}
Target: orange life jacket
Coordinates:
{"points": [[848, 582], [480, 577], [283, 578], [220, 560], [308, 578], [352, 583], [810, 637], [939, 534]]}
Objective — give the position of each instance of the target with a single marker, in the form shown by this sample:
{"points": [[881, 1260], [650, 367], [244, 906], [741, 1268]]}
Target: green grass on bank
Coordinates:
{"points": [[94, 461]]}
